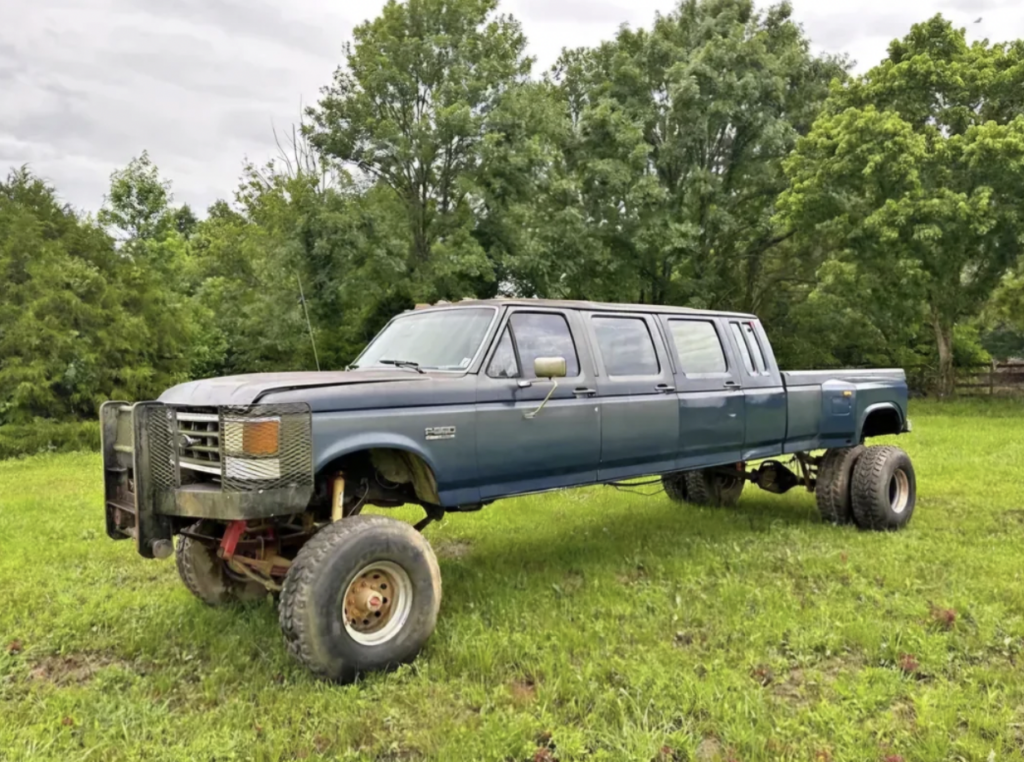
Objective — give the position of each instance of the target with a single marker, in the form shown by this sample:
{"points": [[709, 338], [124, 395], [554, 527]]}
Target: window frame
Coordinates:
{"points": [[506, 324], [648, 321], [725, 373]]}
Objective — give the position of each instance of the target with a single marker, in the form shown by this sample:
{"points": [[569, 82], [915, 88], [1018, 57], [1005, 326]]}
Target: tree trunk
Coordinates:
{"points": [[944, 340]]}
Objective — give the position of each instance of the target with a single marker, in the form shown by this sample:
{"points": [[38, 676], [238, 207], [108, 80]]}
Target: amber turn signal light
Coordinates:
{"points": [[261, 437]]}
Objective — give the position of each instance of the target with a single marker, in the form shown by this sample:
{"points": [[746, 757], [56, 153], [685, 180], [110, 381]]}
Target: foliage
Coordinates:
{"points": [[607, 625], [709, 160], [45, 436], [410, 109], [914, 172]]}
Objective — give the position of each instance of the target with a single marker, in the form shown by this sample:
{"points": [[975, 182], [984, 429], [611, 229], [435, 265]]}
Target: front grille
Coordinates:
{"points": [[199, 446]]}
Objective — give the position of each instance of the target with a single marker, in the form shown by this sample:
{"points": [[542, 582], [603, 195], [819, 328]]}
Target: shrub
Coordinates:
{"points": [[45, 435]]}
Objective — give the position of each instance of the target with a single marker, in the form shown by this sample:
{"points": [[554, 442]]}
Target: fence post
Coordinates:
{"points": [[992, 379]]}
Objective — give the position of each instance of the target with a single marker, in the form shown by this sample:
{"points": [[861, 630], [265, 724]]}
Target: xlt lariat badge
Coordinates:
{"points": [[440, 432]]}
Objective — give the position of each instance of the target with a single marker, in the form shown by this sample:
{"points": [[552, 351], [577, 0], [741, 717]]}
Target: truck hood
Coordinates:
{"points": [[250, 388]]}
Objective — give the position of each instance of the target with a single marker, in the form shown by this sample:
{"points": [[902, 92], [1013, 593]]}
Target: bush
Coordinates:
{"points": [[45, 435]]}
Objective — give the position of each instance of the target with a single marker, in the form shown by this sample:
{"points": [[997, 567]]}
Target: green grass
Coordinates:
{"points": [[617, 626]]}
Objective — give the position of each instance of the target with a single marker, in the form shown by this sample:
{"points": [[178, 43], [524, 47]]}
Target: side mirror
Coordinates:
{"points": [[549, 367]]}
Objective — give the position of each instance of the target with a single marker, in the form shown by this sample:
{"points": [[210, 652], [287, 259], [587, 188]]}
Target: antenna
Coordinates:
{"points": [[305, 309]]}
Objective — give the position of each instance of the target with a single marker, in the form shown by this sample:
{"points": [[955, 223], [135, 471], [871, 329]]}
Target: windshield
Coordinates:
{"points": [[443, 340]]}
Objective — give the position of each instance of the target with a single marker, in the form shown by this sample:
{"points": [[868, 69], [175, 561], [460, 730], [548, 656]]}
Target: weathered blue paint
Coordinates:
{"points": [[595, 428]]}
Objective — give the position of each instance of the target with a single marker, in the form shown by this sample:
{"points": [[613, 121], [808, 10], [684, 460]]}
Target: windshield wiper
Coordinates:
{"points": [[402, 364]]}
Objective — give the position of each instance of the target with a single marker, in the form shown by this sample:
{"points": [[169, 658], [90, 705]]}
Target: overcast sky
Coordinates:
{"points": [[85, 85]]}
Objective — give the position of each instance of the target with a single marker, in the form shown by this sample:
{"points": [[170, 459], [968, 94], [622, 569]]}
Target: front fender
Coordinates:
{"points": [[369, 441]]}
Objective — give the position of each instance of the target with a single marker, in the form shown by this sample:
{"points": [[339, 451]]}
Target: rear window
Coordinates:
{"points": [[626, 346], [755, 347], [698, 347]]}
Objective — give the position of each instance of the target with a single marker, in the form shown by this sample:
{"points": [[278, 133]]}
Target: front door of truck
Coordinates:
{"points": [[711, 401], [560, 446], [639, 412]]}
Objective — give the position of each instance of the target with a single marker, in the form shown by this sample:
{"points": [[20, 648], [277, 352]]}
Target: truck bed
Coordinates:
{"points": [[827, 408]]}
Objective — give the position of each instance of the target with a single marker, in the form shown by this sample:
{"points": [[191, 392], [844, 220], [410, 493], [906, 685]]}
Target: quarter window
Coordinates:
{"points": [[741, 342], [626, 346], [698, 347], [755, 347]]}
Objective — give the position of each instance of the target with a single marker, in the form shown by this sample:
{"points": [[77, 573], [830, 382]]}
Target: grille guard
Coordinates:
{"points": [[149, 490]]}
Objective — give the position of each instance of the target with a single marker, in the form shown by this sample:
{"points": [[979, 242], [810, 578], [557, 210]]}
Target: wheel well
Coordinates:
{"points": [[386, 466], [883, 421]]}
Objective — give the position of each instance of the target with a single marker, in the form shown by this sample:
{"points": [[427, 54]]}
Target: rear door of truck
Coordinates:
{"points": [[709, 391], [763, 390], [637, 394]]}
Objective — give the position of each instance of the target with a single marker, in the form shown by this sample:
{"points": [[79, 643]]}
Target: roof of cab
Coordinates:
{"points": [[570, 304]]}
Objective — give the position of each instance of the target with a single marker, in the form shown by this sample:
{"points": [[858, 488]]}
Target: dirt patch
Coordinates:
{"points": [[72, 669], [445, 548], [710, 750], [523, 691]]}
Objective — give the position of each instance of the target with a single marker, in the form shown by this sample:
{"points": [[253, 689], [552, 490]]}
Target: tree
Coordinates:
{"points": [[914, 172], [677, 140], [409, 111], [137, 205]]}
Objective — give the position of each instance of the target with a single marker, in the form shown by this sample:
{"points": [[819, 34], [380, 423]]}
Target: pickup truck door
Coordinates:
{"points": [[711, 402], [763, 390], [560, 446], [636, 389]]}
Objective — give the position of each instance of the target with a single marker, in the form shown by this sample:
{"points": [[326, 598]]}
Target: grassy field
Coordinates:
{"points": [[581, 625]]}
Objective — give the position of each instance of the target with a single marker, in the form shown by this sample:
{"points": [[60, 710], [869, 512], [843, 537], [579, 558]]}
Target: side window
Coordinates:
{"points": [[543, 334], [741, 342], [698, 347], [504, 363], [755, 346], [626, 346]]}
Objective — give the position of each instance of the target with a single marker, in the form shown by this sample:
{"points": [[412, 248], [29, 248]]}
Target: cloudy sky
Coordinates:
{"points": [[85, 85]]}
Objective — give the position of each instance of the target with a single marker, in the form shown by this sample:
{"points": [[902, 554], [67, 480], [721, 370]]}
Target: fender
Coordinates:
{"points": [[372, 440], [874, 409]]}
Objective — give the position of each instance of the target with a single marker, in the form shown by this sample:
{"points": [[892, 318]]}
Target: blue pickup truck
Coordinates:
{"points": [[263, 477]]}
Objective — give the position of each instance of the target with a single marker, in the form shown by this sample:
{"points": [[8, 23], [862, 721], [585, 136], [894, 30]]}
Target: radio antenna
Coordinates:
{"points": [[305, 309]]}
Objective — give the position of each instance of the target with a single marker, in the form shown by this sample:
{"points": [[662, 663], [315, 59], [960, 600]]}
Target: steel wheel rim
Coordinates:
{"points": [[899, 491], [377, 603]]}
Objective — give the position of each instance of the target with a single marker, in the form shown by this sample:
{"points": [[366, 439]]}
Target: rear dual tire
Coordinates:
{"points": [[874, 487]]}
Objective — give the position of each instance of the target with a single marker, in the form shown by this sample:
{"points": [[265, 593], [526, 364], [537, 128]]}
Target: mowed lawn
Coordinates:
{"points": [[586, 624]]}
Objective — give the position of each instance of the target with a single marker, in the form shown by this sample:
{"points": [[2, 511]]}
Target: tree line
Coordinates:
{"points": [[710, 160]]}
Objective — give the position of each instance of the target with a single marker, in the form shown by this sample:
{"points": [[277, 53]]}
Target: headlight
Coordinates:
{"points": [[252, 437]]}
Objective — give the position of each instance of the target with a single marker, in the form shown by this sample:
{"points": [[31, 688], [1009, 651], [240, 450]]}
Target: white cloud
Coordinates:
{"points": [[85, 85]]}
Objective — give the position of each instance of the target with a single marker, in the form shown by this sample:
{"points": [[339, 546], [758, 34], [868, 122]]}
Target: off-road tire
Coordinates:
{"points": [[674, 485], [205, 575], [711, 488], [832, 491], [310, 610], [884, 489]]}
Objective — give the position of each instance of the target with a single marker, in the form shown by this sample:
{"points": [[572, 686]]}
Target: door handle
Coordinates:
{"points": [[664, 388], [582, 391], [731, 385]]}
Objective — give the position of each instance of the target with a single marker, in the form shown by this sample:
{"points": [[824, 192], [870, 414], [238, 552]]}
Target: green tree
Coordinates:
{"points": [[914, 173], [677, 139], [409, 110]]}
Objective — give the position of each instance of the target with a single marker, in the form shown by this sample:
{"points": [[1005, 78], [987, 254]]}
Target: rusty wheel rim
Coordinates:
{"points": [[377, 603]]}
